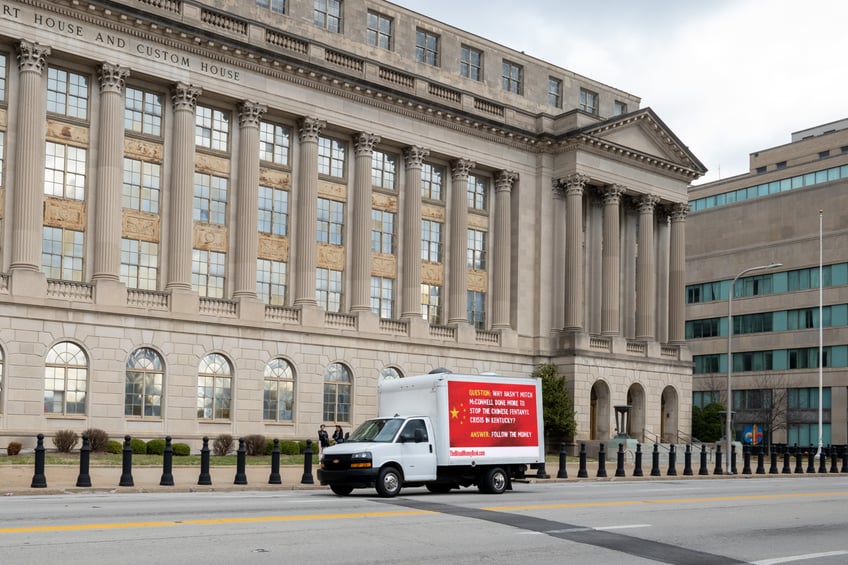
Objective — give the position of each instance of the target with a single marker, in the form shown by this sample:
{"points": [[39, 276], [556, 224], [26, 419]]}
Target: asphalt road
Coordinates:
{"points": [[761, 520]]}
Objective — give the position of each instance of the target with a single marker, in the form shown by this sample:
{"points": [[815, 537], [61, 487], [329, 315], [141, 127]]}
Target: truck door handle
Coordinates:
{"points": [[431, 448]]}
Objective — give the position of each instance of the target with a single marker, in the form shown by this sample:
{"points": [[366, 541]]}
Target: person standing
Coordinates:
{"points": [[323, 440], [338, 435]]}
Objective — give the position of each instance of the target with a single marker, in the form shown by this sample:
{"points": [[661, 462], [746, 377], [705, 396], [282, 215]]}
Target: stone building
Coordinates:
{"points": [[235, 217], [771, 215]]}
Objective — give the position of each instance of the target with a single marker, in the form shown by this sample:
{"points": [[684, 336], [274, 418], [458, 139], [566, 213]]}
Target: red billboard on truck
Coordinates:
{"points": [[492, 414]]}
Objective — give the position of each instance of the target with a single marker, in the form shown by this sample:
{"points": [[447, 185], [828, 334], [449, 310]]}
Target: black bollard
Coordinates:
{"points": [[786, 468], [540, 471], [746, 457], [581, 472], [772, 460], [241, 476], [811, 460], [761, 470], [126, 464], [672, 461], [84, 479], [733, 459], [833, 459], [619, 464], [274, 478], [845, 458], [655, 461], [562, 473], [204, 478], [799, 459], [167, 479], [687, 461], [637, 463], [823, 460], [38, 478], [717, 470], [307, 479], [602, 461], [702, 469]]}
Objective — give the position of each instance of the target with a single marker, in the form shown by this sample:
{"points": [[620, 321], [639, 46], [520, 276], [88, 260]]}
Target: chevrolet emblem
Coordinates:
{"points": [[336, 461]]}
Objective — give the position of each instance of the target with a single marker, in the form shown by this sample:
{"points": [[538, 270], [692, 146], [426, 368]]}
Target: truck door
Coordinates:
{"points": [[417, 451]]}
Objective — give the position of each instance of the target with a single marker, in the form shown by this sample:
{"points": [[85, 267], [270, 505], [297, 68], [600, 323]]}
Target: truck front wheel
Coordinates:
{"points": [[494, 481], [388, 482]]}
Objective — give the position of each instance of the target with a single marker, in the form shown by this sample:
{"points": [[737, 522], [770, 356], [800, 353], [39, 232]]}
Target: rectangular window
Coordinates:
{"points": [[478, 190], [426, 47], [271, 281], [431, 303], [512, 78], [330, 221], [477, 250], [141, 186], [476, 307], [278, 6], [555, 92], [619, 108], [328, 289], [139, 264], [212, 128], [431, 241], [64, 171], [383, 297], [331, 157], [2, 158], [273, 217], [471, 63], [382, 231], [274, 142], [431, 181], [210, 199], [588, 101], [327, 14], [67, 93], [379, 30], [3, 70], [208, 272], [143, 112], [383, 170], [62, 253]]}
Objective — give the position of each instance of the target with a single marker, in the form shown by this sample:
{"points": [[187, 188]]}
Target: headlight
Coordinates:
{"points": [[361, 460], [361, 455]]}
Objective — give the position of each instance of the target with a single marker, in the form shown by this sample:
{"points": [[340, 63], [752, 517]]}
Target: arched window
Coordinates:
{"points": [[143, 391], [337, 384], [278, 398], [65, 379], [390, 373], [214, 388]]}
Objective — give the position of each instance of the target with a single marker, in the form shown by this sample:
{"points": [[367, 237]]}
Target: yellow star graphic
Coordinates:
{"points": [[454, 413]]}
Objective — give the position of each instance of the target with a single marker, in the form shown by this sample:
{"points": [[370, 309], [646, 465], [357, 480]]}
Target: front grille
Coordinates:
{"points": [[336, 462]]}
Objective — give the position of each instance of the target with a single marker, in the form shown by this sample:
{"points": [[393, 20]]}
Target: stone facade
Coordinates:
{"points": [[216, 217]]}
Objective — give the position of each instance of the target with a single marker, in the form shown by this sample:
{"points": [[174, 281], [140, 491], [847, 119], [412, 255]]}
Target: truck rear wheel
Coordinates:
{"points": [[388, 482], [494, 481], [341, 490]]}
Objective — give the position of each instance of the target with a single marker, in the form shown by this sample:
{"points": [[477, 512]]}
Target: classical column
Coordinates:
{"points": [[574, 295], [662, 237], [28, 193], [307, 213], [110, 158], [180, 218], [645, 271], [458, 291], [558, 318], [247, 240], [501, 265], [413, 158], [677, 275], [360, 265], [610, 308]]}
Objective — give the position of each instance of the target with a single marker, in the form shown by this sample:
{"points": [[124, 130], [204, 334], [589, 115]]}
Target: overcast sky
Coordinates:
{"points": [[729, 77]]}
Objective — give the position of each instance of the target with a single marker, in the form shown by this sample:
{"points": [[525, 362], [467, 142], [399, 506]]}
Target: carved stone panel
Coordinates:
{"points": [[435, 213], [4, 119], [275, 178], [382, 201], [332, 190], [63, 213], [211, 164], [478, 281], [331, 257], [383, 265], [66, 133], [140, 225], [210, 238], [142, 149], [432, 273], [478, 221], [273, 247]]}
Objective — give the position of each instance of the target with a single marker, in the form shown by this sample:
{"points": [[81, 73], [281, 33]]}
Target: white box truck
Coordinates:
{"points": [[442, 431]]}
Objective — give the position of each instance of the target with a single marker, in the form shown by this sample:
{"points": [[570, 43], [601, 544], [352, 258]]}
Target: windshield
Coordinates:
{"points": [[382, 429]]}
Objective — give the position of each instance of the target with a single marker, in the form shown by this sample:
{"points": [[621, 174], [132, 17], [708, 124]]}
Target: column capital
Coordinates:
{"points": [[505, 180], [679, 212], [184, 96], [112, 77], [461, 167], [31, 56], [574, 184], [250, 113], [413, 156], [647, 203], [611, 194], [310, 129], [364, 142]]}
